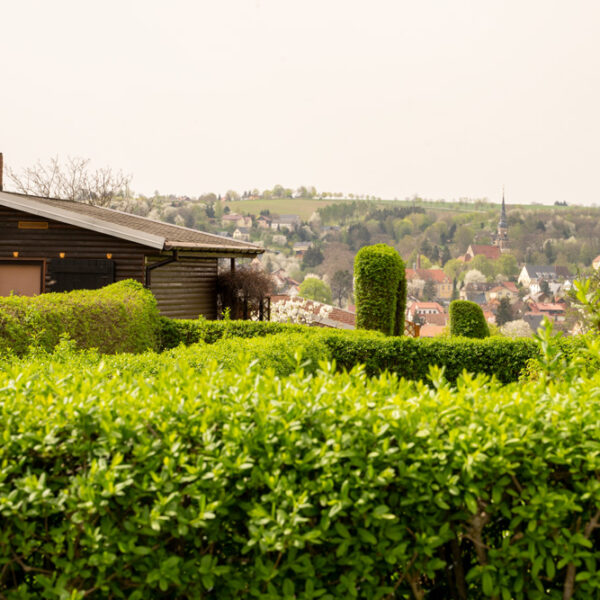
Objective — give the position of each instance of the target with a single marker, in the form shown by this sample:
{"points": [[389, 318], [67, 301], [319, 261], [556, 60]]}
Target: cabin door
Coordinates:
{"points": [[21, 279]]}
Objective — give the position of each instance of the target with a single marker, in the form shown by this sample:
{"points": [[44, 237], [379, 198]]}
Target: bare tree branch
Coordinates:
{"points": [[73, 180]]}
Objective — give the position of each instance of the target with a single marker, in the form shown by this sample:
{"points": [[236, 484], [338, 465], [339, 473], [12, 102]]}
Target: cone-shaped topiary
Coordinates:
{"points": [[380, 289], [467, 320]]}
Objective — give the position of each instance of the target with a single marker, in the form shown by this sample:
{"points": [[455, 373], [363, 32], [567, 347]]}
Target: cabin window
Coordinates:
{"points": [[68, 274]]}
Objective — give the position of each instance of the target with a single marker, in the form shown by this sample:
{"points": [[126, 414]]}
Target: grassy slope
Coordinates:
{"points": [[304, 207]]}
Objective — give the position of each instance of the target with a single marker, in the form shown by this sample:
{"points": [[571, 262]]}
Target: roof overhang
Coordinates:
{"points": [[213, 248], [33, 207]]}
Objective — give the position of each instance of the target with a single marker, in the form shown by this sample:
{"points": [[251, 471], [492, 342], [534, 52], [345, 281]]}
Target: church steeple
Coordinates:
{"points": [[503, 223], [501, 237]]}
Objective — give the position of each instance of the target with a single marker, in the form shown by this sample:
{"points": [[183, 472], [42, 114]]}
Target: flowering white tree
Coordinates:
{"points": [[474, 276], [299, 310], [518, 328]]}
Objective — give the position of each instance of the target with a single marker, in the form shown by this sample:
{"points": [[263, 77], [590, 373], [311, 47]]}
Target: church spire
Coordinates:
{"points": [[503, 222]]}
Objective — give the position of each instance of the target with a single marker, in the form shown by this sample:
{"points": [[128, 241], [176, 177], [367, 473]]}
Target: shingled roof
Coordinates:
{"points": [[147, 232]]}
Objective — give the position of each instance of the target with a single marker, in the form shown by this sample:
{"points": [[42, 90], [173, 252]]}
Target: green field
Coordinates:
{"points": [[304, 207]]}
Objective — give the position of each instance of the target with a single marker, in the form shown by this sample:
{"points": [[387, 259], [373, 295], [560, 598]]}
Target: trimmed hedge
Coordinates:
{"points": [[121, 317], [467, 320], [379, 288], [411, 358], [408, 357], [190, 331], [239, 484]]}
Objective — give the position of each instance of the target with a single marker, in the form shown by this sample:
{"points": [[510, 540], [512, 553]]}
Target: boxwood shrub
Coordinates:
{"points": [[122, 317], [240, 484], [379, 273], [466, 319]]}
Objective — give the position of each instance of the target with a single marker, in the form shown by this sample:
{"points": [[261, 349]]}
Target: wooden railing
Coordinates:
{"points": [[412, 329]]}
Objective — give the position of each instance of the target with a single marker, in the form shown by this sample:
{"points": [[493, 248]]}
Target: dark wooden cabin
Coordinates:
{"points": [[51, 245]]}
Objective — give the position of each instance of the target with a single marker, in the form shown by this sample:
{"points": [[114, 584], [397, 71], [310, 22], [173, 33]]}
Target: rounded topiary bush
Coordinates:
{"points": [[467, 320], [379, 289]]}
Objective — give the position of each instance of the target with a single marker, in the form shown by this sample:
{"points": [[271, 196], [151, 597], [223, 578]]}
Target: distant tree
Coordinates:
{"points": [[210, 211], [313, 256], [519, 328], [544, 287], [474, 276], [504, 314], [453, 267], [429, 291], [341, 285], [315, 289], [358, 236], [507, 265], [72, 180], [444, 255], [549, 252], [454, 290], [232, 196], [483, 265], [464, 237]]}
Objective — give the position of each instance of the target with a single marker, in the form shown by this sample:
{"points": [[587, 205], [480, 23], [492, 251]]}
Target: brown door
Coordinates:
{"points": [[20, 279]]}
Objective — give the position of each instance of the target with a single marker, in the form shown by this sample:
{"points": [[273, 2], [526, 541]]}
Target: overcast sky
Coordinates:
{"points": [[441, 98]]}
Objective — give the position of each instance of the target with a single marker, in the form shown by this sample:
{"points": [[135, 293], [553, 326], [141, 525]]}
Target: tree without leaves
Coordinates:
{"points": [[341, 285], [73, 180]]}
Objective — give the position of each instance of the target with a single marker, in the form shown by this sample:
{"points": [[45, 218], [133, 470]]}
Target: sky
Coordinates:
{"points": [[443, 99]]}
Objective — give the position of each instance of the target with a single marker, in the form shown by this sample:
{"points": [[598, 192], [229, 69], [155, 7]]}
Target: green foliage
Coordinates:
{"points": [[122, 317], [586, 295], [409, 358], [174, 332], [504, 314], [315, 289], [412, 358], [380, 290], [467, 320], [119, 481]]}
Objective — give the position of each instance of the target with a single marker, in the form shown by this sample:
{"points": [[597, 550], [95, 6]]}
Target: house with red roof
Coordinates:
{"points": [[417, 278], [491, 252]]}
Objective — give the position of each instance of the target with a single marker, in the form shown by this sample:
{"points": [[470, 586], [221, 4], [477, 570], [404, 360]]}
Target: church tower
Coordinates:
{"points": [[501, 237]]}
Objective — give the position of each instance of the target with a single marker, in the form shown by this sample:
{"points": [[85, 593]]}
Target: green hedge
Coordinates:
{"points": [[122, 317], [412, 358], [379, 274], [408, 357], [467, 320], [187, 331], [239, 484], [507, 359]]}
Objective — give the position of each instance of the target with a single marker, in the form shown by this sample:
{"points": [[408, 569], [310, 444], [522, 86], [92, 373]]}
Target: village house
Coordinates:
{"points": [[506, 289], [287, 222], [263, 222], [242, 233], [533, 276], [490, 252], [237, 220], [300, 248], [417, 278]]}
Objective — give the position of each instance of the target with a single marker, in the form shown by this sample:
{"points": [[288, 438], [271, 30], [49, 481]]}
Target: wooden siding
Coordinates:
{"points": [[75, 242], [187, 288]]}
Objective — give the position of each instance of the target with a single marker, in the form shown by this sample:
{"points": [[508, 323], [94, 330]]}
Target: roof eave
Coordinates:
{"points": [[31, 206], [171, 245]]}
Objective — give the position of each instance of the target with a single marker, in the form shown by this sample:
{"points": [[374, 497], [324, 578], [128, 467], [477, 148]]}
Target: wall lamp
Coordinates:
{"points": [[15, 254], [61, 254]]}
